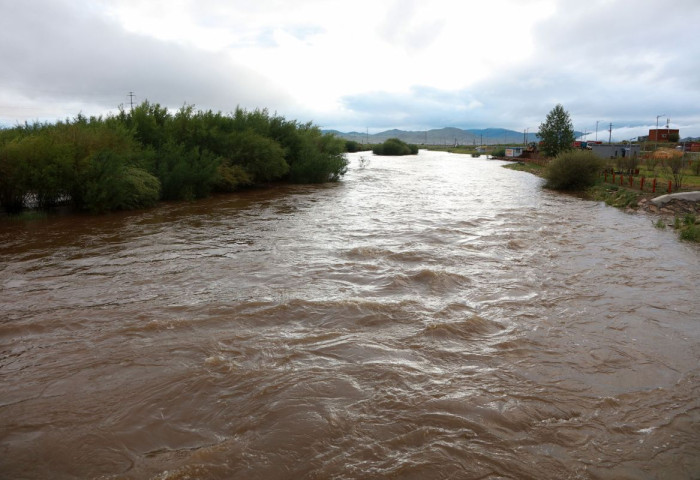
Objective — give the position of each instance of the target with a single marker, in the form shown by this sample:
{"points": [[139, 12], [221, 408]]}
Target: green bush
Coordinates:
{"points": [[186, 174], [395, 147], [351, 146], [573, 170], [230, 178], [319, 158], [261, 157], [115, 185]]}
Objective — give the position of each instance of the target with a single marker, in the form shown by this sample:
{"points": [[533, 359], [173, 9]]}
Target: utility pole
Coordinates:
{"points": [[596, 130], [656, 136], [610, 134], [131, 100]]}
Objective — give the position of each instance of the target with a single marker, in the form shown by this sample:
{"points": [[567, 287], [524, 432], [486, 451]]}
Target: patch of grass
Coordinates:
{"points": [[687, 228], [526, 167], [613, 195], [660, 224], [690, 233]]}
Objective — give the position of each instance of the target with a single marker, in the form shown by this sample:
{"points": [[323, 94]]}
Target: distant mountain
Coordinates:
{"points": [[442, 136]]}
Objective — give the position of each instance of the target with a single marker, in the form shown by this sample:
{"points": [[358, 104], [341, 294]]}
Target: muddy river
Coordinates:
{"points": [[427, 317]]}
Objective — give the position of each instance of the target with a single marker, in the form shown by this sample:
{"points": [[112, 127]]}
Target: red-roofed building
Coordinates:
{"points": [[664, 135]]}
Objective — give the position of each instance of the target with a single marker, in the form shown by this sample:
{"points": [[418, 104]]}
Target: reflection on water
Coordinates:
{"points": [[428, 317]]}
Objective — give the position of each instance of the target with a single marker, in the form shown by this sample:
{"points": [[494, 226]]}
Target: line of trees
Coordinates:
{"points": [[134, 159]]}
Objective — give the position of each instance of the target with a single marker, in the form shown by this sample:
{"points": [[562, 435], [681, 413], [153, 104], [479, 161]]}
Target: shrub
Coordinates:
{"points": [[573, 170], [395, 147], [261, 157], [184, 173], [230, 178], [351, 146], [115, 185], [14, 177], [320, 158]]}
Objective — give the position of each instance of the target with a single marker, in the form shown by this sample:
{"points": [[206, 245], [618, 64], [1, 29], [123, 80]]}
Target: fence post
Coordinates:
{"points": [[653, 186], [669, 186], [641, 184], [613, 177], [631, 180]]}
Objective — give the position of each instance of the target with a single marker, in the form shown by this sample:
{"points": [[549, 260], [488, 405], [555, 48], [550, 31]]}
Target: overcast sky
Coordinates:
{"points": [[360, 64]]}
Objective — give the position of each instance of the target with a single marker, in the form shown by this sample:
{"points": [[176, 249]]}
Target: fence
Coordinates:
{"points": [[644, 184]]}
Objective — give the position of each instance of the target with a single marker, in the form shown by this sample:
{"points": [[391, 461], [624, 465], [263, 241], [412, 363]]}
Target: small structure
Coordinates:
{"points": [[514, 151], [664, 135], [614, 150], [691, 146]]}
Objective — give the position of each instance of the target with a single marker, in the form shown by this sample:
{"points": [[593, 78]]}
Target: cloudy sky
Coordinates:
{"points": [[362, 64]]}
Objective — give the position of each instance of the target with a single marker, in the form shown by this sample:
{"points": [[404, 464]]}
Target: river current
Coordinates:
{"points": [[429, 317]]}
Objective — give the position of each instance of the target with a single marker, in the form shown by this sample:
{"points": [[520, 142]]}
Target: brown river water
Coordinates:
{"points": [[430, 317]]}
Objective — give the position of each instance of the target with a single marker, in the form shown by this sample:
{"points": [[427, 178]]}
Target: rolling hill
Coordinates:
{"points": [[442, 136]]}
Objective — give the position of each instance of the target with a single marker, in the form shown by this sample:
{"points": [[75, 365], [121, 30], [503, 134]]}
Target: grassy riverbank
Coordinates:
{"points": [[675, 216]]}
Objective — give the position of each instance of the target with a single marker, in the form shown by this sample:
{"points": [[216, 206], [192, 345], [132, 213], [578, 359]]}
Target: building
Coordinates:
{"points": [[514, 151], [612, 150], [664, 135]]}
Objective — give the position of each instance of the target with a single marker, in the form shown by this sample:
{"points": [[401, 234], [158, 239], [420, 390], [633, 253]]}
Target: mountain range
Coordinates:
{"points": [[442, 136]]}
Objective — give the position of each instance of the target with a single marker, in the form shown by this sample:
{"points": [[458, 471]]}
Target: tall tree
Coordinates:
{"points": [[557, 132]]}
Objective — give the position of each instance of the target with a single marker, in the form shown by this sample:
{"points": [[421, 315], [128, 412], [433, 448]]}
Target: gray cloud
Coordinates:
{"points": [[604, 60], [403, 26], [608, 61], [58, 52]]}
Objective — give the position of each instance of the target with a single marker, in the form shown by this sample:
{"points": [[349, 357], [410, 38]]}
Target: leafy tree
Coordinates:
{"points": [[557, 132]]}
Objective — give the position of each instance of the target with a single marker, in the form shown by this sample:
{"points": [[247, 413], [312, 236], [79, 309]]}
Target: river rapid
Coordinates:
{"points": [[427, 317]]}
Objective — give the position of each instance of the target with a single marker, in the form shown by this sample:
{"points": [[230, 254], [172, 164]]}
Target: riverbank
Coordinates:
{"points": [[683, 215]]}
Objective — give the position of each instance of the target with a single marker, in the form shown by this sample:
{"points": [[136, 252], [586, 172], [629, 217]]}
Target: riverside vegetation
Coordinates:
{"points": [[134, 159], [395, 147], [580, 171]]}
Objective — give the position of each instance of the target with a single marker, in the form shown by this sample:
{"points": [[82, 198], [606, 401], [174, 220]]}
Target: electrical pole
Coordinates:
{"points": [[131, 100], [610, 132], [596, 131], [656, 136]]}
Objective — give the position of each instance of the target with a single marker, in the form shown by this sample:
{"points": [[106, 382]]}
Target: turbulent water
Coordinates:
{"points": [[428, 317]]}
